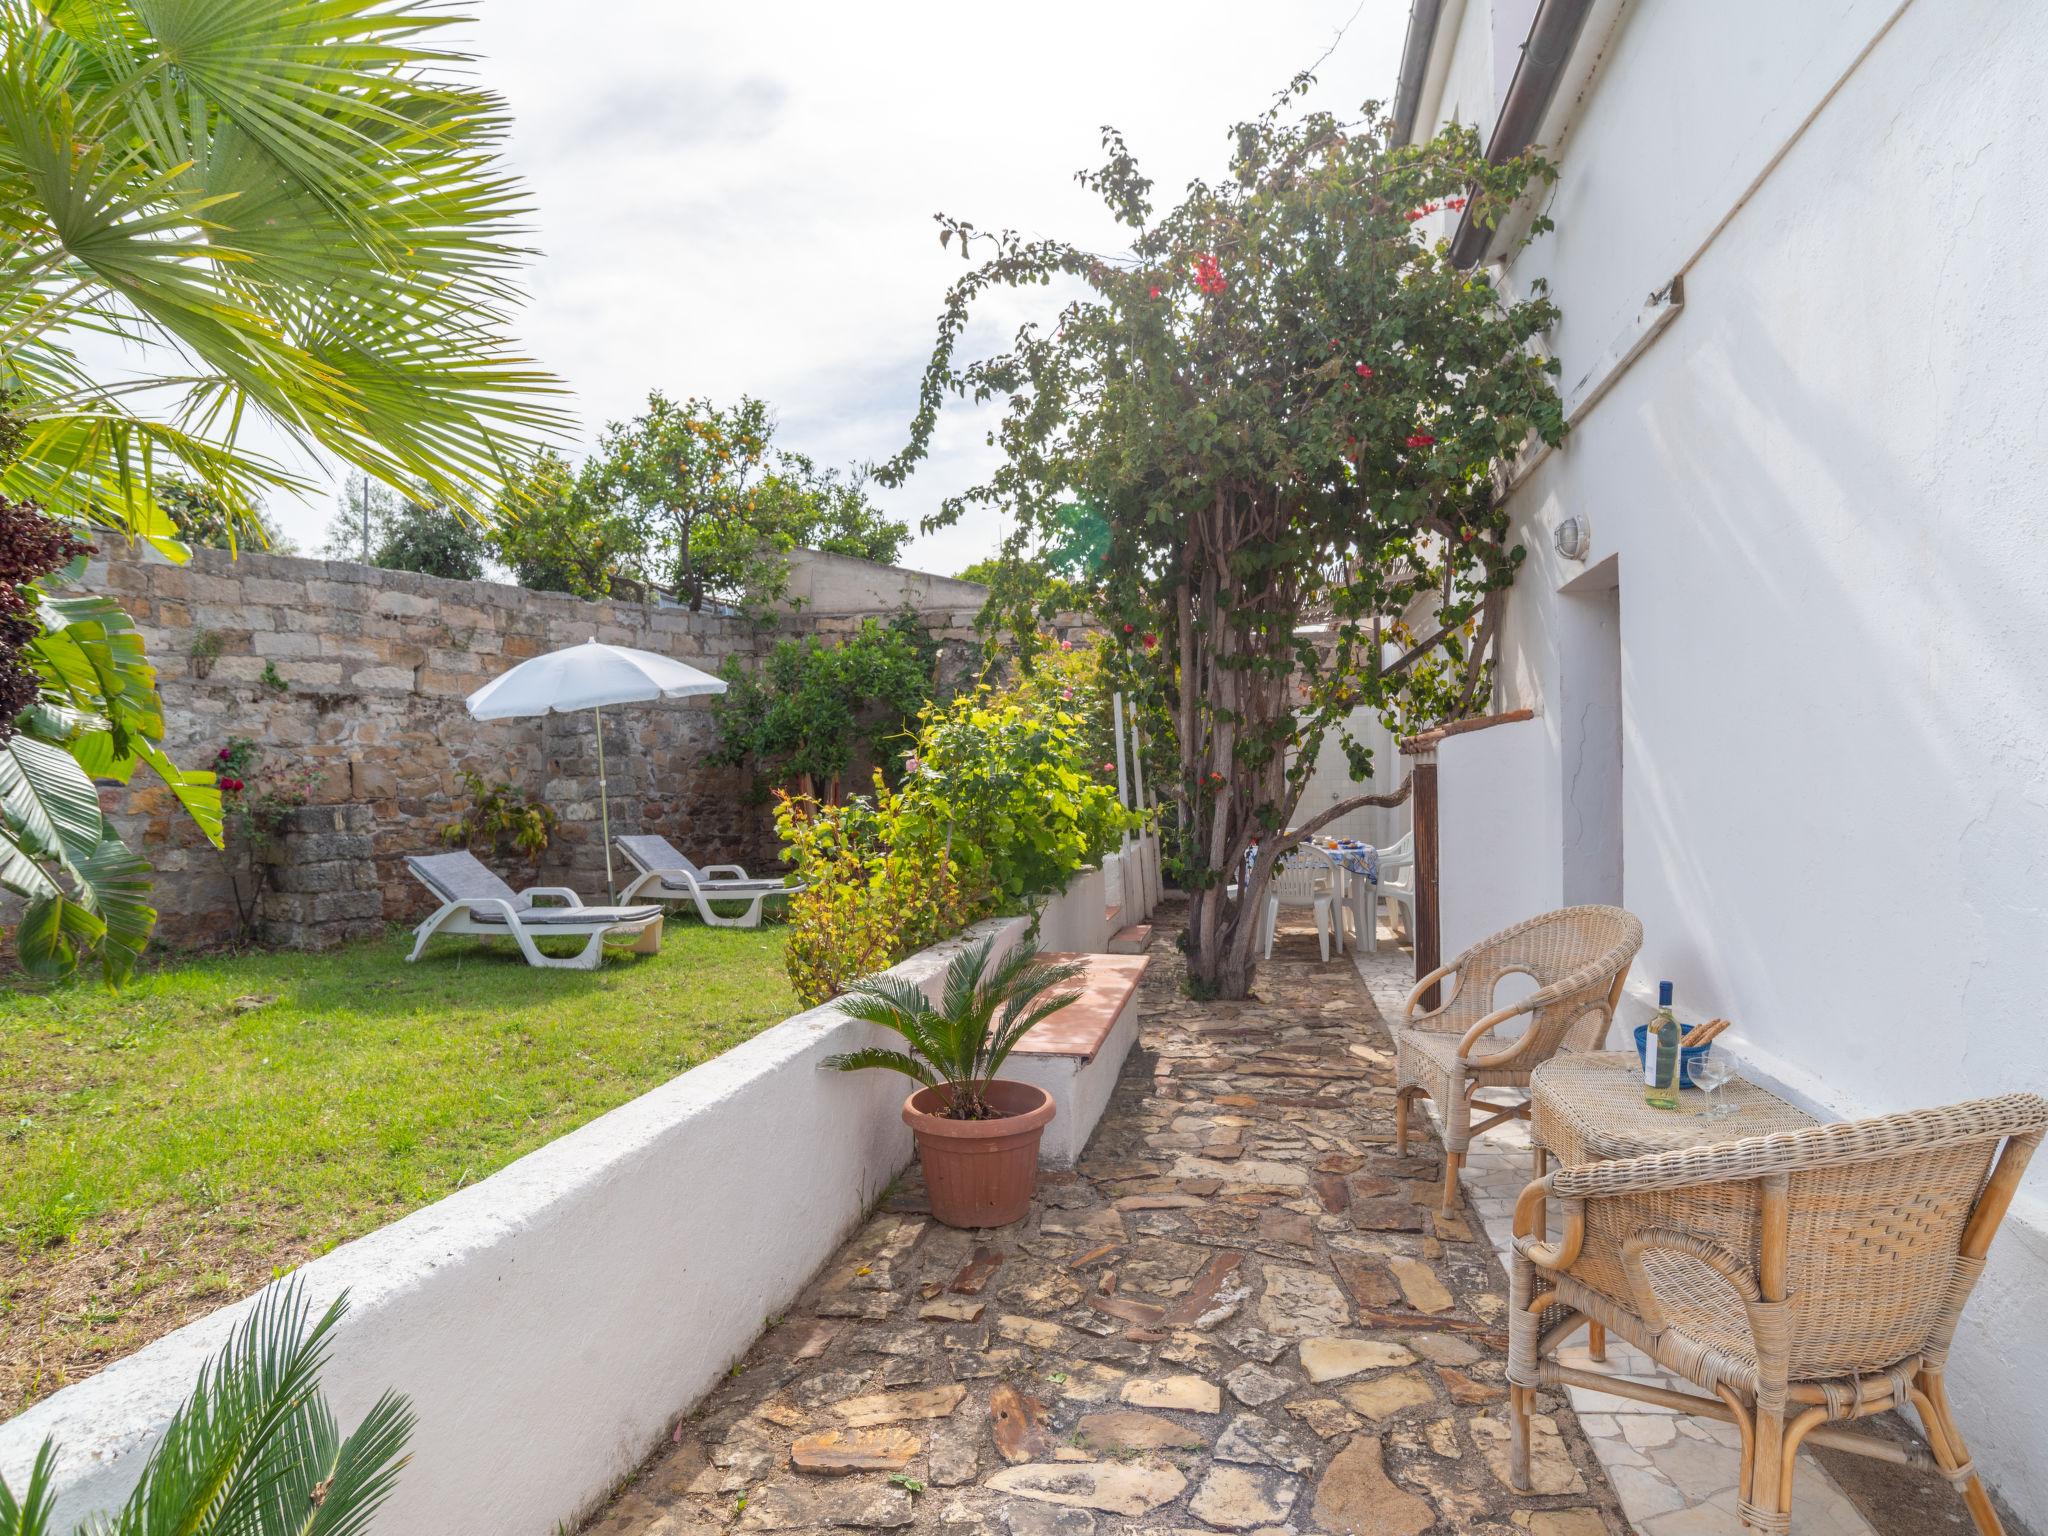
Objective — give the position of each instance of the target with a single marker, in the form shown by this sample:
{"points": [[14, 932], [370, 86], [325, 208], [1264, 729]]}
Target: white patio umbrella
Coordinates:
{"points": [[590, 676]]}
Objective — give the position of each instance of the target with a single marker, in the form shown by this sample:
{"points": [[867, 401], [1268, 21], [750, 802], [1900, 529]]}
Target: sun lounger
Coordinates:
{"points": [[666, 875], [473, 900]]}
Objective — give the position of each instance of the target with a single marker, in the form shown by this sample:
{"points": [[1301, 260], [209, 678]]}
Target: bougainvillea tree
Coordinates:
{"points": [[1288, 409]]}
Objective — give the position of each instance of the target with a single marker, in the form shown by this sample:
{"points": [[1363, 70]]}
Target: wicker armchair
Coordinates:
{"points": [[1804, 1279], [1579, 958]]}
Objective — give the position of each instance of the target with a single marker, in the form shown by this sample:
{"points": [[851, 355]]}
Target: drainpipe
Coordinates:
{"points": [[1422, 20], [1552, 37]]}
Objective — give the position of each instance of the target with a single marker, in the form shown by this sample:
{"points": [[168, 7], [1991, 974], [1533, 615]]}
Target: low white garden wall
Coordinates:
{"points": [[552, 1321]]}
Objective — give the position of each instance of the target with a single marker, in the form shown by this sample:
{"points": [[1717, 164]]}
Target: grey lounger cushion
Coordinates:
{"points": [[546, 917], [459, 877], [651, 853], [464, 877]]}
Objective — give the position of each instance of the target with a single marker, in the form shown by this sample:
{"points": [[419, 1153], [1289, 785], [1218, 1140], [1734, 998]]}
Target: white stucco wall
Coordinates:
{"points": [[551, 1322], [1498, 830], [1330, 783], [1823, 487]]}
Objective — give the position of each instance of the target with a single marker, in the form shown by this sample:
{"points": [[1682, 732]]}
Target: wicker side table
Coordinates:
{"points": [[1587, 1107]]}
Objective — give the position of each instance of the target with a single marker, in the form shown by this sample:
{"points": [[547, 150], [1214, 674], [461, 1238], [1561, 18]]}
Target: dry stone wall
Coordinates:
{"points": [[359, 674]]}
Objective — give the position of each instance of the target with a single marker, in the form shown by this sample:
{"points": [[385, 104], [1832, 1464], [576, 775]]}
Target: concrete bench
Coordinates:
{"points": [[1076, 1054]]}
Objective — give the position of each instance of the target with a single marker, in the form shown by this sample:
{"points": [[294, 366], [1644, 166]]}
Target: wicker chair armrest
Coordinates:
{"points": [[2018, 1115], [1414, 1020], [1514, 1048], [1529, 1238]]}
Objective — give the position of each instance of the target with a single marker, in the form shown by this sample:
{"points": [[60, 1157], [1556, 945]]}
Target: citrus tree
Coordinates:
{"points": [[1280, 412], [295, 209]]}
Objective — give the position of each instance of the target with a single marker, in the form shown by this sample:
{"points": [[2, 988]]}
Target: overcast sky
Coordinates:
{"points": [[738, 198]]}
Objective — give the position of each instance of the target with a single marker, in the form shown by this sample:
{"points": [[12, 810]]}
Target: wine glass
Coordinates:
{"points": [[1712, 1072]]}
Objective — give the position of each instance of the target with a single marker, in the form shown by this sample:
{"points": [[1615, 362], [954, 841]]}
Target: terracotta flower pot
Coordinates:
{"points": [[980, 1173]]}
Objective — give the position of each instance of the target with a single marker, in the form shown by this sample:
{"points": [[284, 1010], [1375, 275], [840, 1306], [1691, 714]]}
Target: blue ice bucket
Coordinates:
{"points": [[1689, 1056]]}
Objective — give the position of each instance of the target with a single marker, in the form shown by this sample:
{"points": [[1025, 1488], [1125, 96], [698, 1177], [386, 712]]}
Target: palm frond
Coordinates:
{"points": [[30, 1515], [875, 1056], [225, 1451]]}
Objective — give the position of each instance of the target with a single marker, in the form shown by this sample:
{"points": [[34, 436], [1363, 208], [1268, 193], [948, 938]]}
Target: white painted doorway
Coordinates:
{"points": [[1590, 732]]}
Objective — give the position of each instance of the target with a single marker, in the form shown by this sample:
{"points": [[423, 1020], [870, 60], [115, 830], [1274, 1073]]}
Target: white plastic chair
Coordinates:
{"points": [[1307, 878], [1397, 883]]}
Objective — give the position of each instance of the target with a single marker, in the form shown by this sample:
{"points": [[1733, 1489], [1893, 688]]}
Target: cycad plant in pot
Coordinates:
{"points": [[977, 1134]]}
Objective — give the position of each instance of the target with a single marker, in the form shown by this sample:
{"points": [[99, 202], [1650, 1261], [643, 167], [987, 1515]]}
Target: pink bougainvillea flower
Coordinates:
{"points": [[1421, 440], [1066, 645], [1109, 767], [1412, 215], [1130, 628], [1155, 290], [1456, 202], [1150, 641]]}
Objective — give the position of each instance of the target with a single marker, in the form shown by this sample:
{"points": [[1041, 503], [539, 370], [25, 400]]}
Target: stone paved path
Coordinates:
{"points": [[1241, 1313]]}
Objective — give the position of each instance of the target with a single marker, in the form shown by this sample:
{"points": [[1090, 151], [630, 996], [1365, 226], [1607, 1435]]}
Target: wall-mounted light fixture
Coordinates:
{"points": [[1573, 537]]}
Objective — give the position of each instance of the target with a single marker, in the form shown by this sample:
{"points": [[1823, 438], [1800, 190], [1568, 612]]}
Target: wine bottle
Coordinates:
{"points": [[1661, 1054]]}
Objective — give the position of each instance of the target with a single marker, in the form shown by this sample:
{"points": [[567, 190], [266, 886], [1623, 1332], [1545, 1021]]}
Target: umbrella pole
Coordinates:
{"points": [[604, 811]]}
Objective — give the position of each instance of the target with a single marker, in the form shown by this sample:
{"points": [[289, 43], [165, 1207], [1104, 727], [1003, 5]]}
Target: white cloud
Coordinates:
{"points": [[739, 198]]}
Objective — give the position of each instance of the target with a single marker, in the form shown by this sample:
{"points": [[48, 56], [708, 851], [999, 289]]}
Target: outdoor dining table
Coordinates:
{"points": [[1358, 873]]}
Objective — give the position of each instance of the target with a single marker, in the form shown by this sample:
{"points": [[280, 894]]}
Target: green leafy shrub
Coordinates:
{"points": [[877, 886], [812, 707], [499, 816], [1013, 777], [1005, 797]]}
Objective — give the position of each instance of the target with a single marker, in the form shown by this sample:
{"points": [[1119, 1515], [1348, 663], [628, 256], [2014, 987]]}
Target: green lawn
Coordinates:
{"points": [[170, 1147]]}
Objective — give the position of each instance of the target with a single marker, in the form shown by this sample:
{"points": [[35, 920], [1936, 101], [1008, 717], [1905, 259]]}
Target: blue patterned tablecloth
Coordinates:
{"points": [[1362, 860]]}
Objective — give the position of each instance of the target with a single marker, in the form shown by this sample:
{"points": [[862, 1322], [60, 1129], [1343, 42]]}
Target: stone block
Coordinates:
{"points": [[286, 643], [369, 780], [232, 616], [409, 605], [382, 679]]}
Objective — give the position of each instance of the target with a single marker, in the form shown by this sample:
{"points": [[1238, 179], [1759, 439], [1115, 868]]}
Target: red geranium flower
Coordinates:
{"points": [[231, 786], [1150, 641], [1421, 440], [1364, 372], [1130, 629], [1155, 290]]}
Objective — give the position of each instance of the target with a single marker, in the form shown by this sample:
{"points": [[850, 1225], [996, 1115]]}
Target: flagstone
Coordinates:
{"points": [[1189, 1394], [1420, 1285], [1243, 1499], [1117, 1488], [1255, 1386], [839, 1451], [1331, 1359], [1356, 1497], [1384, 1396], [1121, 1432], [896, 1407], [1258, 1441], [1300, 1303], [801, 1506]]}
